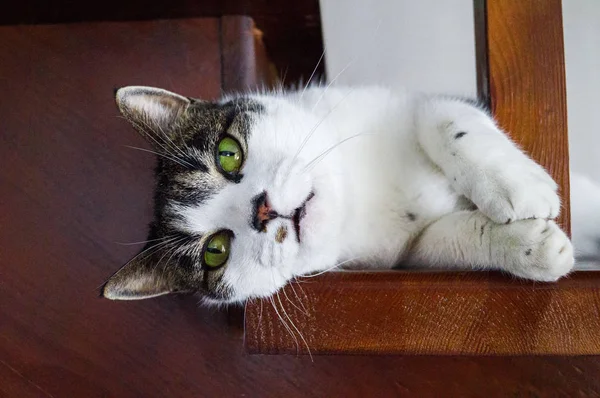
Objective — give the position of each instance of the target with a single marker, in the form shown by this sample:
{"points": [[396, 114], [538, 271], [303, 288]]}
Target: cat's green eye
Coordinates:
{"points": [[216, 251], [230, 155]]}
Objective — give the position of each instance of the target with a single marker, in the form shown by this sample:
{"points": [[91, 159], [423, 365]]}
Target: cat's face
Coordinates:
{"points": [[245, 200]]}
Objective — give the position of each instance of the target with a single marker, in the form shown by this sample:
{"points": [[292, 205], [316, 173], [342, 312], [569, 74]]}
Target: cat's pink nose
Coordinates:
{"points": [[263, 212]]}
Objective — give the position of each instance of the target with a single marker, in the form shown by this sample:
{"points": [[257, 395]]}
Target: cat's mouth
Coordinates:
{"points": [[299, 214]]}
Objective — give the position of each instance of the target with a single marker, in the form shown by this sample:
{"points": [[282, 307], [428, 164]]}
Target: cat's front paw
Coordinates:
{"points": [[536, 249], [516, 192]]}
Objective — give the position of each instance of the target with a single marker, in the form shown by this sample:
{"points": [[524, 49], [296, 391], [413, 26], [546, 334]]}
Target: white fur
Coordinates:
{"points": [[394, 154]]}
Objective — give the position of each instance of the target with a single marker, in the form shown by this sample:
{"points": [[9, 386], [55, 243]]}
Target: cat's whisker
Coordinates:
{"points": [[285, 325], [172, 250], [298, 297], [171, 148], [138, 243], [155, 247], [332, 268], [162, 136], [153, 135], [312, 74], [339, 74], [292, 303], [326, 152], [331, 82], [282, 83], [167, 140], [155, 270], [300, 281], [294, 326], [316, 126], [260, 315], [160, 154]]}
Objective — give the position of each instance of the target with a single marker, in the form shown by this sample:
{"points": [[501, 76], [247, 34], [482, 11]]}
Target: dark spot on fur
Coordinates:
{"points": [[545, 230], [509, 221], [528, 252], [411, 216], [454, 178], [453, 153], [460, 135]]}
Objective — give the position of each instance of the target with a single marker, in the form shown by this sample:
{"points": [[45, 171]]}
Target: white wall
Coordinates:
{"points": [[424, 45], [581, 19]]}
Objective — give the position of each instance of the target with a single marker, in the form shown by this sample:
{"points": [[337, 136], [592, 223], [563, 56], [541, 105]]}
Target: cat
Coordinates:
{"points": [[254, 190]]}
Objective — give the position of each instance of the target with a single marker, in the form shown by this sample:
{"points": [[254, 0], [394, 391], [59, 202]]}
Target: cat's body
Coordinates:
{"points": [[338, 176], [390, 190]]}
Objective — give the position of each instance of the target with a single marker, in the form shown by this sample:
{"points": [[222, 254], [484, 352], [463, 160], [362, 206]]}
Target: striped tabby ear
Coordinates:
{"points": [[155, 271], [152, 111]]}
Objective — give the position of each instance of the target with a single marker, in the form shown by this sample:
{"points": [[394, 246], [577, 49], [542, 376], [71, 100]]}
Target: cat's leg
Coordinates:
{"points": [[483, 164], [533, 249]]}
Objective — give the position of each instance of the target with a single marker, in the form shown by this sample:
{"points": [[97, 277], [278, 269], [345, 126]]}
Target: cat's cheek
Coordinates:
{"points": [[309, 225], [317, 228]]}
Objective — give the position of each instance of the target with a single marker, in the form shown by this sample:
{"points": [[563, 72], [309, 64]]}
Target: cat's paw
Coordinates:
{"points": [[536, 249], [516, 192]]}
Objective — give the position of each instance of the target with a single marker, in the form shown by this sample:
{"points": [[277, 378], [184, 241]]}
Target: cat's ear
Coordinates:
{"points": [[145, 276], [152, 111]]}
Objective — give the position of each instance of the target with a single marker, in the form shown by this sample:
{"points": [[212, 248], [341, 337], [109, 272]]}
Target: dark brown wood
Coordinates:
{"points": [[291, 30], [245, 65], [460, 313], [63, 11]]}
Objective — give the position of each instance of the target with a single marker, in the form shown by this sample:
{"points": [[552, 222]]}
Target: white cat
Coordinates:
{"points": [[257, 189]]}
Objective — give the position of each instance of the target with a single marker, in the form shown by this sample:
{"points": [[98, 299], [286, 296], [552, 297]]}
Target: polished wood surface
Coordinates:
{"points": [[470, 313], [527, 83], [460, 313], [71, 193], [245, 65], [290, 30]]}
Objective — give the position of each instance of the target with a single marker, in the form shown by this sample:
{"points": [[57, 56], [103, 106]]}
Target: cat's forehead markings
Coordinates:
{"points": [[208, 182]]}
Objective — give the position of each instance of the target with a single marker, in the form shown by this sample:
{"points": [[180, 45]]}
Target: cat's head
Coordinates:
{"points": [[245, 198]]}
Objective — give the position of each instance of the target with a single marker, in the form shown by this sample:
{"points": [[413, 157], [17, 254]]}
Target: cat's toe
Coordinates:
{"points": [[544, 252], [506, 198]]}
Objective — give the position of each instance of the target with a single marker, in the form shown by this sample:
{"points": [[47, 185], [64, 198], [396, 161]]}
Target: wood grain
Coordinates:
{"points": [[527, 79], [461, 313], [291, 30], [471, 313]]}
